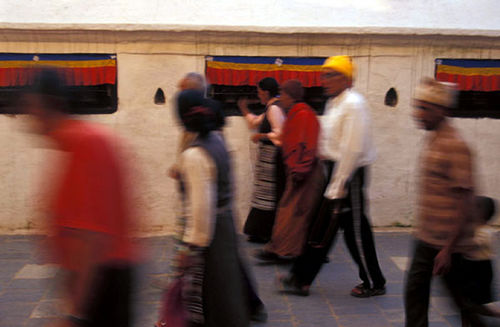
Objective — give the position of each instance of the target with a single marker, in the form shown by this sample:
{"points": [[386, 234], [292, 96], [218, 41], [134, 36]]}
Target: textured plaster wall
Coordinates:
{"points": [[149, 61], [426, 14]]}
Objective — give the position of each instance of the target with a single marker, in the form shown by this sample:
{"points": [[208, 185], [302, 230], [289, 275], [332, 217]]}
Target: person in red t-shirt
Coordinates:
{"points": [[89, 217], [304, 178]]}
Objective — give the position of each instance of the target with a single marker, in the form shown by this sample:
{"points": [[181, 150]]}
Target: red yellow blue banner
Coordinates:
{"points": [[470, 74], [78, 69], [237, 71]]}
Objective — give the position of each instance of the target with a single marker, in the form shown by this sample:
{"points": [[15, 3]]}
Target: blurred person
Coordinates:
{"points": [[445, 221], [304, 177], [347, 150], [196, 81], [268, 179], [474, 272], [89, 215], [215, 289]]}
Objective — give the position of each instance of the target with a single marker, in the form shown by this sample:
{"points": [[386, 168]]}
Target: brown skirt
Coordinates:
{"points": [[295, 211]]}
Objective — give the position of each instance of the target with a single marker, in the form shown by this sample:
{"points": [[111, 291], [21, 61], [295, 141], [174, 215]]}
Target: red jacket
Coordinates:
{"points": [[300, 140]]}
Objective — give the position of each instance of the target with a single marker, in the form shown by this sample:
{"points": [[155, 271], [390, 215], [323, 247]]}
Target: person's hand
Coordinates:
{"points": [[442, 262], [243, 105], [255, 138], [173, 172]]}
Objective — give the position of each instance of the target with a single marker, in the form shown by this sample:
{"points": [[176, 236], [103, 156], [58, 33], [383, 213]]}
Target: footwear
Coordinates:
{"points": [[259, 314], [266, 255], [287, 285], [378, 291], [361, 291], [257, 239]]}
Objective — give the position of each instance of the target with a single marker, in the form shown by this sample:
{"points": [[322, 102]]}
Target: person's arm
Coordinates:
{"points": [[253, 121], [276, 120], [460, 174], [198, 171], [185, 140], [351, 147], [442, 261]]}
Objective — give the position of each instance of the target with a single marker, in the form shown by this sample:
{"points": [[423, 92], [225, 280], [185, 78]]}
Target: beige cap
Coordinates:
{"points": [[441, 93]]}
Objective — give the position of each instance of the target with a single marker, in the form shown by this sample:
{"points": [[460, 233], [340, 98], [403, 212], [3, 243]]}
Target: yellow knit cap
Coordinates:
{"points": [[341, 64]]}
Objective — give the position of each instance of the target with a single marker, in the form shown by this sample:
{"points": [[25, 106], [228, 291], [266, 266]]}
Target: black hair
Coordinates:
{"points": [[486, 207], [270, 85]]}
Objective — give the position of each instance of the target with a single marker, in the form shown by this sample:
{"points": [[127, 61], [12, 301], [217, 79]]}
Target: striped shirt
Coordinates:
{"points": [[445, 168]]}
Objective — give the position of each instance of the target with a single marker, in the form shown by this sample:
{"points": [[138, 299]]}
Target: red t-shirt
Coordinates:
{"points": [[91, 193]]}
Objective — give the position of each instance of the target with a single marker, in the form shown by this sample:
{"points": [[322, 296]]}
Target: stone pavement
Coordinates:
{"points": [[28, 294]]}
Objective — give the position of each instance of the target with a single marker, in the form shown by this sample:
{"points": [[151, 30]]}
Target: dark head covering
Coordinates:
{"points": [[486, 207], [270, 85], [294, 89], [50, 84], [197, 113]]}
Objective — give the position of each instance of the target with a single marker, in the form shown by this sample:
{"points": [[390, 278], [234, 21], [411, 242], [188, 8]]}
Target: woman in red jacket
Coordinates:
{"points": [[304, 178]]}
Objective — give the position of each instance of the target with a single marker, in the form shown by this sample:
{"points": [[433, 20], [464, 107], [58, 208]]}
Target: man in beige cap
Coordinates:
{"points": [[346, 147], [445, 223]]}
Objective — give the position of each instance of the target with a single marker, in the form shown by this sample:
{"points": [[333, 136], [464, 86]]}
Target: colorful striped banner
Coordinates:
{"points": [[78, 69], [470, 74], [237, 71]]}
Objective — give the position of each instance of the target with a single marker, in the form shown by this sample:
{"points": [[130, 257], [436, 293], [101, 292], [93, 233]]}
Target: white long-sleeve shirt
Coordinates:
{"points": [[345, 138], [199, 175]]}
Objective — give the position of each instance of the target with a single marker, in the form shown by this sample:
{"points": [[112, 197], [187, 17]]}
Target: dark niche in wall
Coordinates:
{"points": [[391, 98]]}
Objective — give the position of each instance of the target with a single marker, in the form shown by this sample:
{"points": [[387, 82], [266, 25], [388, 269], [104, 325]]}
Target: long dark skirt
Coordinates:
{"points": [[268, 187], [225, 293]]}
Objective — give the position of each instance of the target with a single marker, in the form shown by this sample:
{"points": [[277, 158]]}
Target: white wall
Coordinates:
{"points": [[283, 15], [147, 61]]}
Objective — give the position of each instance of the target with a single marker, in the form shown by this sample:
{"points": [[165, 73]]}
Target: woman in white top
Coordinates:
{"points": [[269, 175], [215, 288]]}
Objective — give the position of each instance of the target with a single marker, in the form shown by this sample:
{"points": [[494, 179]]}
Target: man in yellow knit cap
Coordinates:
{"points": [[346, 148]]}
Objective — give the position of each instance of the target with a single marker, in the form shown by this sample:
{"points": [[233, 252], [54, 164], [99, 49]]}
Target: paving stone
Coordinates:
{"points": [[34, 271], [34, 284], [317, 320], [329, 303], [39, 322], [47, 309], [16, 309], [443, 305], [358, 309], [13, 321], [439, 324], [389, 302], [363, 320], [20, 295], [395, 315], [453, 320], [401, 262]]}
